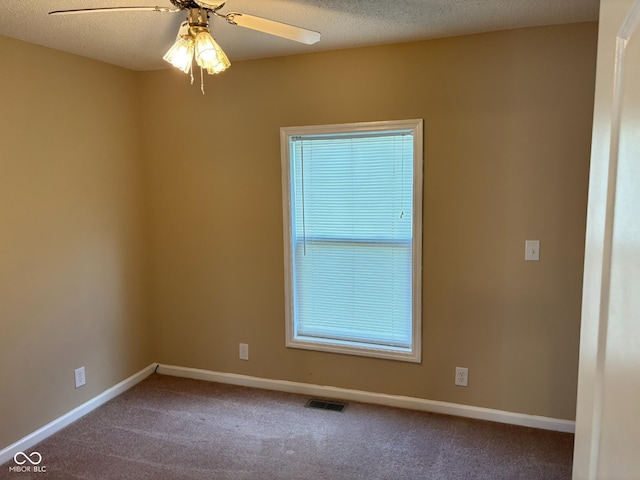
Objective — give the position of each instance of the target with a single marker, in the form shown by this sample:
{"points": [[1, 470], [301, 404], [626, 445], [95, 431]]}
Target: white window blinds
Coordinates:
{"points": [[352, 237]]}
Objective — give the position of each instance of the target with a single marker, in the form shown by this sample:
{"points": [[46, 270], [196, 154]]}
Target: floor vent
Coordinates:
{"points": [[326, 405]]}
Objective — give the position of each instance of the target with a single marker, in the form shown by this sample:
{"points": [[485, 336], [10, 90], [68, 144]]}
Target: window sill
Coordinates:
{"points": [[353, 348]]}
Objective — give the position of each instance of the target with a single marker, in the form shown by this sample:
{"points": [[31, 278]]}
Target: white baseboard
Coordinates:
{"points": [[59, 423], [480, 413]]}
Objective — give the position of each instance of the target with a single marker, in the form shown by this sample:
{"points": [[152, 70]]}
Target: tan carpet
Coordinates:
{"points": [[175, 428]]}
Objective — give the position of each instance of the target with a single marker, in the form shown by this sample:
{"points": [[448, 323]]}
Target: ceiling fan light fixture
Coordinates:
{"points": [[194, 37], [209, 55], [180, 55]]}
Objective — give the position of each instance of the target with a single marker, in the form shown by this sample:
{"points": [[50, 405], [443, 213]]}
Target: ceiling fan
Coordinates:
{"points": [[194, 38]]}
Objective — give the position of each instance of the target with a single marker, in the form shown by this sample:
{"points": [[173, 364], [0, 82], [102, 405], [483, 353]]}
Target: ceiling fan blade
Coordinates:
{"points": [[114, 9], [272, 27]]}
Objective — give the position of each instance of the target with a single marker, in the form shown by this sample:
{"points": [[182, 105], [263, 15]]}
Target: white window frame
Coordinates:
{"points": [[412, 354]]}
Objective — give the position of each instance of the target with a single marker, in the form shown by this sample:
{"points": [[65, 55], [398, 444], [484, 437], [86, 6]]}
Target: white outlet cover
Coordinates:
{"points": [[244, 351], [462, 376], [80, 377]]}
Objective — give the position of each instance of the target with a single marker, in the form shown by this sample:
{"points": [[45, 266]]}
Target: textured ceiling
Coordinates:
{"points": [[138, 40]]}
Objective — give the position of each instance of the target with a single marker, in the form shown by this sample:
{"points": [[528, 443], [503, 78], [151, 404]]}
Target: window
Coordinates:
{"points": [[352, 197]]}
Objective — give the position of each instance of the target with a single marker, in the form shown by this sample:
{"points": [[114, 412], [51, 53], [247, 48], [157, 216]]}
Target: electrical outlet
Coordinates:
{"points": [[244, 351], [80, 377], [462, 376]]}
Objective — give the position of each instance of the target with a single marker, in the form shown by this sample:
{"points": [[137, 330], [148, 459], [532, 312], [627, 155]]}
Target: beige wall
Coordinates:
{"points": [[72, 257], [507, 137], [98, 163]]}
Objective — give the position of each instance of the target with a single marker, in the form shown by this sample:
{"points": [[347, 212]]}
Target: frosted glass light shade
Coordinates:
{"points": [[209, 55], [180, 55]]}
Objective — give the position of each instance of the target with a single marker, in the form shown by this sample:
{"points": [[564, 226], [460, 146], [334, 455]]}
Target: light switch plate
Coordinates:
{"points": [[532, 250]]}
